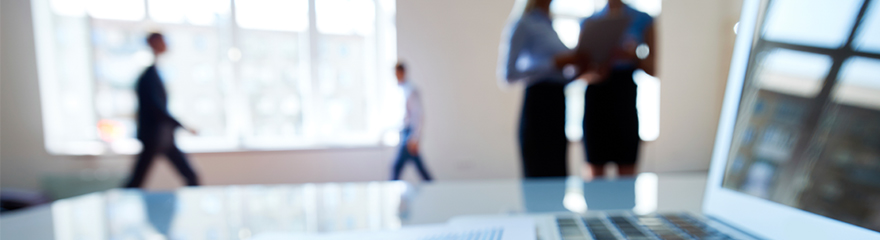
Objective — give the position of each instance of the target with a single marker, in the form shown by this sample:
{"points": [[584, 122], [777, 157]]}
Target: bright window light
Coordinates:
{"points": [[793, 72], [819, 23], [167, 11], [71, 8], [651, 7], [868, 38], [205, 12], [574, 110], [572, 7], [568, 30], [345, 16], [278, 15], [129, 10], [247, 74], [648, 104], [859, 83], [196, 12]]}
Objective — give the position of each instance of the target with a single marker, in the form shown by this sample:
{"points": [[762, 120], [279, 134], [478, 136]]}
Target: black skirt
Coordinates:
{"points": [[542, 141], [611, 120]]}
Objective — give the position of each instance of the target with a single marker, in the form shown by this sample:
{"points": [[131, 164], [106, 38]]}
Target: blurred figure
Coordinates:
{"points": [[611, 123], [534, 55], [156, 126], [413, 122]]}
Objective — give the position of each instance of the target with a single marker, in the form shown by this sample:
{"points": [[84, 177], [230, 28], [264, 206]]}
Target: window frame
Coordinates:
{"points": [[381, 43]]}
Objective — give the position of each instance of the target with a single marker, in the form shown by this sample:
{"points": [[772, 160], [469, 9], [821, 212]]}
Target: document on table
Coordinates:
{"points": [[500, 228]]}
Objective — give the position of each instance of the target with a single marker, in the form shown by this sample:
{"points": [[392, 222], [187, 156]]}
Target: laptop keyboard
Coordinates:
{"points": [[664, 227], [570, 230], [695, 228], [484, 234], [599, 229]]}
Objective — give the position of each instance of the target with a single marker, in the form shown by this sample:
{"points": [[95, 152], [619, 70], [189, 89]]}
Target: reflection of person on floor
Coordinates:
{"points": [[412, 131], [611, 122], [156, 126]]}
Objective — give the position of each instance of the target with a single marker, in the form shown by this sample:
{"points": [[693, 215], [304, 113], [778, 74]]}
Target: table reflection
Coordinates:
{"points": [[243, 212], [573, 194], [233, 212]]}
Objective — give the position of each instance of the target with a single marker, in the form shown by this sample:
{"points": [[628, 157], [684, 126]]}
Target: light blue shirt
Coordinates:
{"points": [[414, 115], [531, 51]]}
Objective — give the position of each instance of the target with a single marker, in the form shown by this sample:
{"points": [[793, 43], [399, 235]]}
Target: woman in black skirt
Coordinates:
{"points": [[533, 54], [611, 122]]}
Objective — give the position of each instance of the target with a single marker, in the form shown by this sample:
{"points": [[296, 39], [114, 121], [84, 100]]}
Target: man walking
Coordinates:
{"points": [[156, 126]]}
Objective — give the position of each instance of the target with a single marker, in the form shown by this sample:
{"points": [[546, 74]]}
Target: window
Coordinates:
{"points": [[808, 127], [567, 17], [247, 74]]}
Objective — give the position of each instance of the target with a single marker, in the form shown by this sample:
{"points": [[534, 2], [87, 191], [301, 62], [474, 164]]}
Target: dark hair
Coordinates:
{"points": [[400, 67], [153, 36]]}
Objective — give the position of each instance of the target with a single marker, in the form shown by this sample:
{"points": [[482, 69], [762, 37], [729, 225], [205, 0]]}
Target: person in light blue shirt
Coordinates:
{"points": [[413, 122], [611, 122], [533, 54]]}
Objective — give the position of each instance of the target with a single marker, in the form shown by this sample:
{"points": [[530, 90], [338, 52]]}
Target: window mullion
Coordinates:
{"points": [[237, 108], [313, 101]]}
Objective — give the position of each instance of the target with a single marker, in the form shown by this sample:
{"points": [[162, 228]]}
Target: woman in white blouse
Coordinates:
{"points": [[532, 54]]}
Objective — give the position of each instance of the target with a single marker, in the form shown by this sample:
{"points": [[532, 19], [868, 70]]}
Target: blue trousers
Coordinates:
{"points": [[403, 155]]}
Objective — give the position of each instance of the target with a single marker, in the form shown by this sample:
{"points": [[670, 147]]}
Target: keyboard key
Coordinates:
{"points": [[695, 228]]}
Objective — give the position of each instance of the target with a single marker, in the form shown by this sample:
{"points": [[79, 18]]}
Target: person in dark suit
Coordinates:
{"points": [[156, 126]]}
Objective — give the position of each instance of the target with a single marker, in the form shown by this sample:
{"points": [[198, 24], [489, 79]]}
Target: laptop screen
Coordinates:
{"points": [[807, 133]]}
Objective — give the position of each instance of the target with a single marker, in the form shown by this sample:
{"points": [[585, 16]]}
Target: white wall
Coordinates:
{"points": [[696, 42], [451, 47]]}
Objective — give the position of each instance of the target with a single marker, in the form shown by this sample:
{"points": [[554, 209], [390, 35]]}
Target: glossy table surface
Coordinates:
{"points": [[241, 212]]}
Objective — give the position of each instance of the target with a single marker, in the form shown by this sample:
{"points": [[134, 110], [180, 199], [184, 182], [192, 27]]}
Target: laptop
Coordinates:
{"points": [[797, 151]]}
